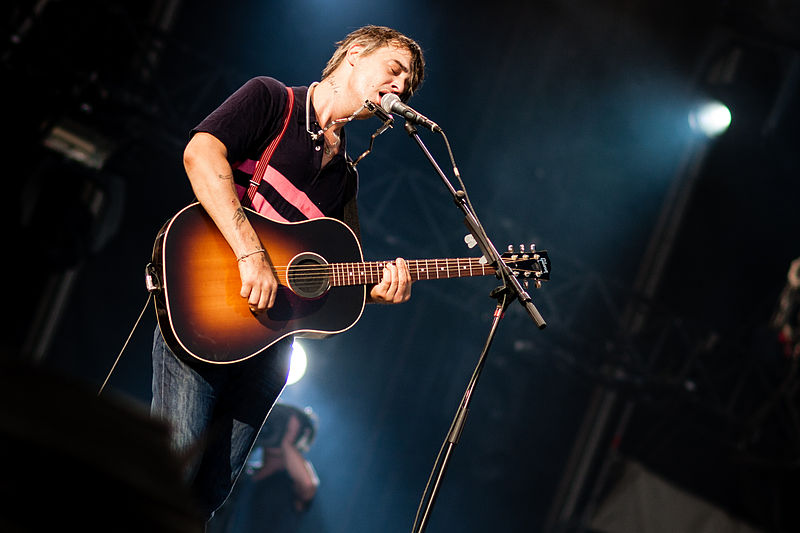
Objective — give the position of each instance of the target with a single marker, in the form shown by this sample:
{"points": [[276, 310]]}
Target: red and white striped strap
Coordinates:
{"points": [[263, 162]]}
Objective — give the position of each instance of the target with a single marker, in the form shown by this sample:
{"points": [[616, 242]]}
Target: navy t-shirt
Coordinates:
{"points": [[295, 186]]}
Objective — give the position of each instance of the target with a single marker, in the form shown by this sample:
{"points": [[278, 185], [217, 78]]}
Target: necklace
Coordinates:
{"points": [[330, 146], [318, 134], [321, 131], [372, 108]]}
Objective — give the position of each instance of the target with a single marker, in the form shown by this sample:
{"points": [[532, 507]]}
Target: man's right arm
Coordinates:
{"points": [[211, 176]]}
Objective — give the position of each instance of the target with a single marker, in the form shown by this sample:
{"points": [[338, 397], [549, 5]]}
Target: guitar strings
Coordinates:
{"points": [[371, 269], [414, 265]]}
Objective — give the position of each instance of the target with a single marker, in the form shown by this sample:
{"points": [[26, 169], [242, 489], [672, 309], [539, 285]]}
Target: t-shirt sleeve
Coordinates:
{"points": [[245, 121]]}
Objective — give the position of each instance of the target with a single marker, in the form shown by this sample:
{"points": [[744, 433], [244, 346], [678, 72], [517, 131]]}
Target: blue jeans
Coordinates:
{"points": [[216, 412]]}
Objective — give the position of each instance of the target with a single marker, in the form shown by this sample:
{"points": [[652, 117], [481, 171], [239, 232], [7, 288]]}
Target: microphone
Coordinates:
{"points": [[391, 103]]}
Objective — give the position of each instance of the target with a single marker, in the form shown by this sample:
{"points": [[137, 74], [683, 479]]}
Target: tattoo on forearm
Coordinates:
{"points": [[225, 176], [239, 217]]}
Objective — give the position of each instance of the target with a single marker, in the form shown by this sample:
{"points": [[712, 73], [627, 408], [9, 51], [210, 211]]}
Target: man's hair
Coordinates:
{"points": [[373, 38]]}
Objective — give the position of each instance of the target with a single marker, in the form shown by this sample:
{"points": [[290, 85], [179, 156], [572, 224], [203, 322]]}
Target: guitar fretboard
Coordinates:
{"points": [[372, 272]]}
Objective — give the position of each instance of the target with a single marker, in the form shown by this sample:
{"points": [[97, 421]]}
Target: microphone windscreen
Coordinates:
{"points": [[388, 100]]}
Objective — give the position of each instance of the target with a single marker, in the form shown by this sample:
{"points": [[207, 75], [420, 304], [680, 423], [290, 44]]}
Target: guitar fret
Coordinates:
{"points": [[371, 272]]}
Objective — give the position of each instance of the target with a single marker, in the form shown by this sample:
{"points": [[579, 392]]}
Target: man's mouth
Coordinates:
{"points": [[381, 94]]}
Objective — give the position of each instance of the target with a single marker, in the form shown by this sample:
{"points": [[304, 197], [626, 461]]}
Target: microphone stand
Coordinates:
{"points": [[504, 295]]}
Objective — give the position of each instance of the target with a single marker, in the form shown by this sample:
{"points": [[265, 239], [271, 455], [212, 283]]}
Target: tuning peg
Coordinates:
{"points": [[537, 284], [511, 248], [470, 240], [525, 283], [533, 248]]}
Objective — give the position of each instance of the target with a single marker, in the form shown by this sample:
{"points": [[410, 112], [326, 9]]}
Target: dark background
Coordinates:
{"points": [[568, 121]]}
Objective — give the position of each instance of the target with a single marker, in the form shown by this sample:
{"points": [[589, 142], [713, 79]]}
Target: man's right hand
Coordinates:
{"points": [[259, 284]]}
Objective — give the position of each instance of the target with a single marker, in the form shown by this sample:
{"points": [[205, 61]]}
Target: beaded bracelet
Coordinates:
{"points": [[245, 256]]}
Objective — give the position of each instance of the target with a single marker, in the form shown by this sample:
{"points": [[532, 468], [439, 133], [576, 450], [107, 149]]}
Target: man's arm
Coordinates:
{"points": [[211, 177], [304, 477]]}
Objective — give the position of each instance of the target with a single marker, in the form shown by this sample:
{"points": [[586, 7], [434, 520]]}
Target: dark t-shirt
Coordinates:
{"points": [[294, 187]]}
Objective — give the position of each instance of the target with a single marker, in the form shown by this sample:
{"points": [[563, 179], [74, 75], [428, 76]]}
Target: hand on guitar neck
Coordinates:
{"points": [[395, 287]]}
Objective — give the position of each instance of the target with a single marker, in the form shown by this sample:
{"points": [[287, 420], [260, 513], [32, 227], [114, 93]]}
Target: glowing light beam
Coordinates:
{"points": [[710, 119], [297, 367]]}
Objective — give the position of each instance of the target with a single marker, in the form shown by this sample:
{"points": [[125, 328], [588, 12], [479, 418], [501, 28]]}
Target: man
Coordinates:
{"points": [[217, 410], [278, 482]]}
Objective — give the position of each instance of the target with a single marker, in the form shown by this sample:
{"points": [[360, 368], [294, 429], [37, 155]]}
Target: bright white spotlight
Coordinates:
{"points": [[711, 119], [297, 367]]}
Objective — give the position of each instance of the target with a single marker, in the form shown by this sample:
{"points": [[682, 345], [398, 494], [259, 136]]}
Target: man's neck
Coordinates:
{"points": [[325, 101]]}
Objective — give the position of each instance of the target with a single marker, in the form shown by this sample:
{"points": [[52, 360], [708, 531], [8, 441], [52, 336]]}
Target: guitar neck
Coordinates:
{"points": [[342, 274]]}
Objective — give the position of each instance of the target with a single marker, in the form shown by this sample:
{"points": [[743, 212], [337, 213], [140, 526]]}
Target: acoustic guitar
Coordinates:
{"points": [[322, 283]]}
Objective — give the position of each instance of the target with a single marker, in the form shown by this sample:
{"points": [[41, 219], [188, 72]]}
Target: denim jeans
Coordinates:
{"points": [[216, 412]]}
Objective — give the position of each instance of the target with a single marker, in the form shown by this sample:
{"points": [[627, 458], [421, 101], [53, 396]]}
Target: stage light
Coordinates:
{"points": [[297, 367], [711, 119]]}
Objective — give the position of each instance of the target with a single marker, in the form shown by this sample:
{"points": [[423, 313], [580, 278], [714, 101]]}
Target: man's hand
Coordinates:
{"points": [[395, 287], [292, 429], [259, 284]]}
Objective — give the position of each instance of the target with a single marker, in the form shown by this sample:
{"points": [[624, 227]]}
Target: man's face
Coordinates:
{"points": [[385, 70]]}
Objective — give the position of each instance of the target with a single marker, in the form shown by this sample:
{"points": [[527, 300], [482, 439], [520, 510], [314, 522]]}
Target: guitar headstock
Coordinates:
{"points": [[529, 265]]}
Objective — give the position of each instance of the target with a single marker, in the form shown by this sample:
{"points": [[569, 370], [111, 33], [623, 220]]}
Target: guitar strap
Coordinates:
{"points": [[263, 162]]}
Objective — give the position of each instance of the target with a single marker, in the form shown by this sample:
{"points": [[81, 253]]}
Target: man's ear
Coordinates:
{"points": [[353, 52]]}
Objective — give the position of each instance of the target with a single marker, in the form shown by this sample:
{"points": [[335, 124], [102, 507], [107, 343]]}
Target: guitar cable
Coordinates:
{"points": [[153, 284]]}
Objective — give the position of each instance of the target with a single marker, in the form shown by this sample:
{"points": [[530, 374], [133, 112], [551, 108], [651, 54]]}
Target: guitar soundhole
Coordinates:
{"points": [[308, 275]]}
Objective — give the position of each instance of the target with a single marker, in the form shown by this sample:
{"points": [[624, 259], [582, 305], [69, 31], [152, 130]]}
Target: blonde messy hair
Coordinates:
{"points": [[373, 38]]}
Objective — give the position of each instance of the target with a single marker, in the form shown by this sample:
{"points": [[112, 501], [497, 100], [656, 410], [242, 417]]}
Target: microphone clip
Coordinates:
{"points": [[383, 116], [388, 122]]}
